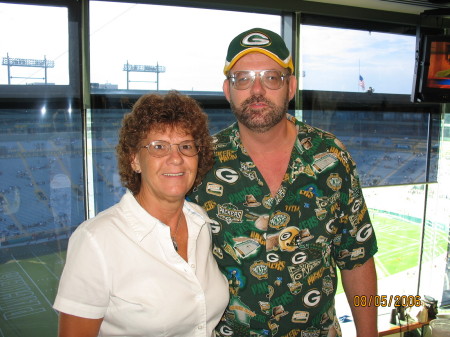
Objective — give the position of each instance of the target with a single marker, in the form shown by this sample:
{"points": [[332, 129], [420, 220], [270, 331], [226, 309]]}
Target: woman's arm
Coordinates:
{"points": [[74, 326]]}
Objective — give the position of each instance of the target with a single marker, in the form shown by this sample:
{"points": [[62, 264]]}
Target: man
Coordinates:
{"points": [[288, 206]]}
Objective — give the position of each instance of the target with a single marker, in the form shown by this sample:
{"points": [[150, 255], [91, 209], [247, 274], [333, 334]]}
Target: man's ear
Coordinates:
{"points": [[292, 87], [226, 89]]}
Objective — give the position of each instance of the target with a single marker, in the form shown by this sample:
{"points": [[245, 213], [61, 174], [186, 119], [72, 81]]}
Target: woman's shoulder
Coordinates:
{"points": [[195, 208], [196, 211], [101, 222]]}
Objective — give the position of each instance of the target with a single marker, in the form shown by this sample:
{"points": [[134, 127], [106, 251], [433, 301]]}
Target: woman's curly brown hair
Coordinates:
{"points": [[156, 113]]}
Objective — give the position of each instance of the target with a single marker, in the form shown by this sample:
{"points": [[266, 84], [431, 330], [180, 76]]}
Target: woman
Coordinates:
{"points": [[144, 267]]}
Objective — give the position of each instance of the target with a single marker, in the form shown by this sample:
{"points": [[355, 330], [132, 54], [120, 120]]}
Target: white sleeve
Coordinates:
{"points": [[84, 288]]}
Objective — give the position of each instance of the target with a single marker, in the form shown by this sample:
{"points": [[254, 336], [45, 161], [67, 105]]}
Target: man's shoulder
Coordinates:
{"points": [[304, 128], [225, 134], [309, 134]]}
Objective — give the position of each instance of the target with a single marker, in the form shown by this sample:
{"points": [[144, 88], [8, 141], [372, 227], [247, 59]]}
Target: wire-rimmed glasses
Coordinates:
{"points": [[271, 79], [161, 148]]}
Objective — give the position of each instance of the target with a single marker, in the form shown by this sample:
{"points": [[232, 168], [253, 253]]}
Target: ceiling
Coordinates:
{"points": [[401, 6]]}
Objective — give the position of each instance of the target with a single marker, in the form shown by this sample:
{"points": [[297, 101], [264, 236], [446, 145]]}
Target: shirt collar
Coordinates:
{"points": [[235, 138], [142, 223]]}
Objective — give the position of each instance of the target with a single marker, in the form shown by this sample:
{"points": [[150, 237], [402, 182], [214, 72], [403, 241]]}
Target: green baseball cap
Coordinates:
{"points": [[262, 41]]}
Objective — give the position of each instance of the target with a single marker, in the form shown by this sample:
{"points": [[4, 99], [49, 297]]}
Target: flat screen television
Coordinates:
{"points": [[432, 70]]}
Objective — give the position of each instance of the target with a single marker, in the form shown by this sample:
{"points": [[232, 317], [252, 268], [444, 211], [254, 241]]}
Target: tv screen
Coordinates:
{"points": [[432, 77]]}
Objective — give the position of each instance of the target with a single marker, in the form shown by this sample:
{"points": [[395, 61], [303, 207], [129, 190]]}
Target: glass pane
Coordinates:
{"points": [[435, 273], [105, 128], [398, 226], [106, 123], [41, 202], [390, 148], [165, 47], [357, 85], [334, 59], [34, 49]]}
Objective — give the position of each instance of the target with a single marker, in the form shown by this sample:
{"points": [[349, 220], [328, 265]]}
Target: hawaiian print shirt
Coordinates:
{"points": [[279, 252]]}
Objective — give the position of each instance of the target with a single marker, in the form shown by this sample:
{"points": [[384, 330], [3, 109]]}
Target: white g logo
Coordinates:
{"points": [[312, 298], [272, 257], [228, 175], [255, 39], [226, 331], [300, 257], [364, 233]]}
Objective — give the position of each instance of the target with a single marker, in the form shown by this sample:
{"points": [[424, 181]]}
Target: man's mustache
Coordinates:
{"points": [[256, 99]]}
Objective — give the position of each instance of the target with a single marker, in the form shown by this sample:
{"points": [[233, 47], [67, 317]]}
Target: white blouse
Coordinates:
{"points": [[122, 266]]}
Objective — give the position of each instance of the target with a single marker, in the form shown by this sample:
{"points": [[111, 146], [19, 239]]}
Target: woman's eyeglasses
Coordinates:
{"points": [[161, 148]]}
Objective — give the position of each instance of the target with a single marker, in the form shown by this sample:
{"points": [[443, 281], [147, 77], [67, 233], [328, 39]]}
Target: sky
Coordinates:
{"points": [[191, 44], [27, 32], [334, 58]]}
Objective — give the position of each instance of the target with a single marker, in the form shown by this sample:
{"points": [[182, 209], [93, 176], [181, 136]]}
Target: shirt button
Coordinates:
{"points": [[200, 327], [193, 266]]}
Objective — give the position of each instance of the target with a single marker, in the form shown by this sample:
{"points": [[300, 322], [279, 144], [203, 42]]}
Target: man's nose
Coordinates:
{"points": [[257, 86]]}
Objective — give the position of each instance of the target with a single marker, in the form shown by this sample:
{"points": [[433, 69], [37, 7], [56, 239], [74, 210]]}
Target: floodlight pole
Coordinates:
{"points": [[45, 69], [128, 76], [9, 71], [19, 62], [146, 69], [157, 76]]}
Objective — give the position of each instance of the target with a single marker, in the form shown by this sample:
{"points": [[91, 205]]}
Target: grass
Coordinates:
{"points": [[29, 277]]}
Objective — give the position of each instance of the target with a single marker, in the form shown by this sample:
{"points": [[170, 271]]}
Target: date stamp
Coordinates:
{"points": [[387, 300]]}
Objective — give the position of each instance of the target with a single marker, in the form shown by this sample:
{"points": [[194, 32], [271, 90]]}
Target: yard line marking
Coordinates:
{"points": [[381, 267], [45, 266], [39, 289]]}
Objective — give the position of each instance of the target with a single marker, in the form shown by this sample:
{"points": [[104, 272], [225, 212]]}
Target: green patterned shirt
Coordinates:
{"points": [[280, 252]]}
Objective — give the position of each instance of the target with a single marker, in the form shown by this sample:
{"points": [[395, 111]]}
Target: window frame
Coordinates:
{"points": [[52, 96]]}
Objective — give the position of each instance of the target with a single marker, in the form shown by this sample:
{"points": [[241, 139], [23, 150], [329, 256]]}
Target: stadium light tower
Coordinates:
{"points": [[144, 69], [18, 62]]}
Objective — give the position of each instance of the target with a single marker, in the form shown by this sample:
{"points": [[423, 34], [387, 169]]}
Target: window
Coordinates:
{"points": [[192, 56], [41, 161], [360, 91], [349, 60], [151, 47], [351, 87], [34, 50], [354, 83]]}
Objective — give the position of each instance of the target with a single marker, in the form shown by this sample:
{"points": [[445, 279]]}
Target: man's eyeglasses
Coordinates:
{"points": [[271, 79], [161, 148]]}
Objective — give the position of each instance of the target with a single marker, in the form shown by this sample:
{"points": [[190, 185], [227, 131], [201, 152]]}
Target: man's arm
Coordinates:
{"points": [[360, 281]]}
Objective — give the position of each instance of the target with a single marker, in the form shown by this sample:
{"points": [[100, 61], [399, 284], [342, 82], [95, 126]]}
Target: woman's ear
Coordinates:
{"points": [[135, 164]]}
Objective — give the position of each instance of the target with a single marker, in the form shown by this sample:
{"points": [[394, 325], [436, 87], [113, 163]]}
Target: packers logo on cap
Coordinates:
{"points": [[262, 41], [255, 39]]}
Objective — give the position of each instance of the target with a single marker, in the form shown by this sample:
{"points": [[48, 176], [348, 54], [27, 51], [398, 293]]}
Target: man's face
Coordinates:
{"points": [[259, 108]]}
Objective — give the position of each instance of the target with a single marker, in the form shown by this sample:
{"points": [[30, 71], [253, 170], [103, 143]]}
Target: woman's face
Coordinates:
{"points": [[166, 178]]}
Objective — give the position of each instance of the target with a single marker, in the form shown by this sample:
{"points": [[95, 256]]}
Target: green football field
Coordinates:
{"points": [[29, 275], [399, 244]]}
